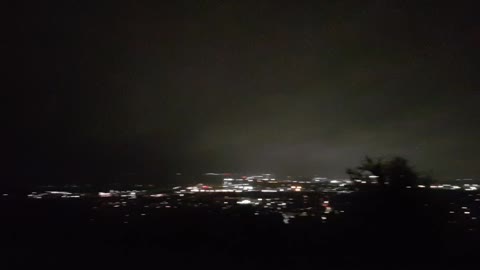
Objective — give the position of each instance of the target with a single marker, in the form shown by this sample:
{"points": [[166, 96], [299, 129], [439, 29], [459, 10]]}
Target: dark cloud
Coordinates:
{"points": [[297, 88]]}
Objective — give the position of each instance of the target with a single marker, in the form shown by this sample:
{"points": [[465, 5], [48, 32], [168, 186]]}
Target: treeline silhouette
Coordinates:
{"points": [[395, 173]]}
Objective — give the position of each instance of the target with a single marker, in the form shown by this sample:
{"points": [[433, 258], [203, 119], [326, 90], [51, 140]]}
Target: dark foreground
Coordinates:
{"points": [[378, 230]]}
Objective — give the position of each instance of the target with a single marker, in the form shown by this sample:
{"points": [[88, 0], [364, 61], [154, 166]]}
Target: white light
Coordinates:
{"points": [[105, 194], [373, 176], [59, 192], [286, 218], [466, 213], [324, 218], [421, 186], [244, 202], [268, 190], [71, 196]]}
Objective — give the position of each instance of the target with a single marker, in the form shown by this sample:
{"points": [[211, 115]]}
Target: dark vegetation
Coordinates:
{"points": [[395, 173]]}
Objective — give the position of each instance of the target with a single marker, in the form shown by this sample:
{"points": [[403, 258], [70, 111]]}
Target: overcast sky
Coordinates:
{"points": [[294, 87]]}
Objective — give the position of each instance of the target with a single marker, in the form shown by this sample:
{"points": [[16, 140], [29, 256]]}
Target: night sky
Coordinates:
{"points": [[151, 88]]}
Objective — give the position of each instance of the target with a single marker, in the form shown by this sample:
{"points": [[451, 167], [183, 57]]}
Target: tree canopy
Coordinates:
{"points": [[395, 172]]}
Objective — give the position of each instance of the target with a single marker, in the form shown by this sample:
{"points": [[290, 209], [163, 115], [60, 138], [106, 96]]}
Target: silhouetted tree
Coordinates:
{"points": [[399, 173], [395, 172], [426, 179]]}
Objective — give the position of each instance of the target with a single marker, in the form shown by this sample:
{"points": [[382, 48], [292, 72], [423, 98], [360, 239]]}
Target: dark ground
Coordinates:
{"points": [[381, 230]]}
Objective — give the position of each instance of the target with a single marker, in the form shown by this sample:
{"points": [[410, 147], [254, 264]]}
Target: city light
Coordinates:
{"points": [[105, 194], [244, 202]]}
